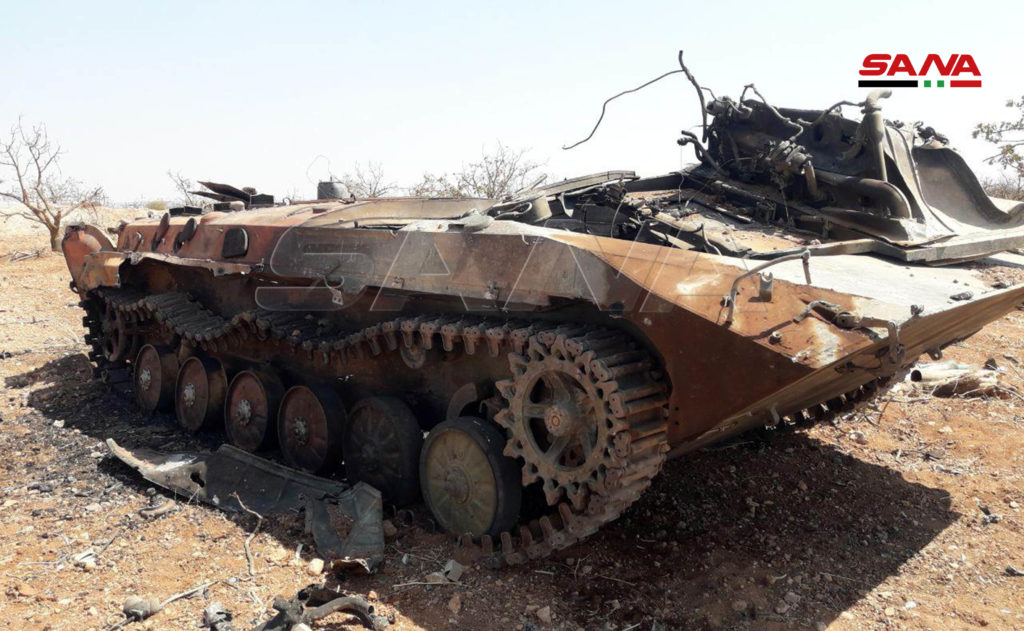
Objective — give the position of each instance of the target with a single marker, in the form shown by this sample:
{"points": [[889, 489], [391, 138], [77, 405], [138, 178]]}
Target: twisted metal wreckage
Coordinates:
{"points": [[558, 345]]}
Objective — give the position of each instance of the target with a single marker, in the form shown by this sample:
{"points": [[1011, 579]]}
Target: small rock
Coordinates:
{"points": [[372, 595], [58, 424], [945, 429], [85, 560], [791, 598], [801, 485], [910, 604], [781, 608], [455, 604], [740, 606], [544, 614], [137, 608], [1014, 504], [26, 590], [890, 611], [315, 567], [963, 295], [277, 554], [859, 438], [93, 508], [435, 578], [453, 570], [389, 528]]}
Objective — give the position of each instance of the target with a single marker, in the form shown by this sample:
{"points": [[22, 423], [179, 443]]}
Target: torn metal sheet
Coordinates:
{"points": [[228, 475]]}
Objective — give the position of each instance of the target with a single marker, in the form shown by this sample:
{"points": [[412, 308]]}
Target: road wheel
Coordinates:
{"points": [[382, 448], [155, 372], [309, 427], [468, 484], [199, 393], [250, 410]]}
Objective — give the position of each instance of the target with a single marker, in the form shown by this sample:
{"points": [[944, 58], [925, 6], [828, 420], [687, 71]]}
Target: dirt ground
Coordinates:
{"points": [[908, 516]]}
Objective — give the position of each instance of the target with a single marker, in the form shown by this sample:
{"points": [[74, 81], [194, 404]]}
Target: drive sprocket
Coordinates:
{"points": [[579, 405]]}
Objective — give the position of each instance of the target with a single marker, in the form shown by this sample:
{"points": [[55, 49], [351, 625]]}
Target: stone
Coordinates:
{"points": [[26, 590], [389, 528], [740, 606], [435, 578], [791, 598], [455, 604], [315, 567], [277, 554], [544, 614], [781, 608], [453, 570]]}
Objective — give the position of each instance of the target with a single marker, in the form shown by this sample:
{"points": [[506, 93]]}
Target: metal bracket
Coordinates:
{"points": [[730, 300], [851, 320]]}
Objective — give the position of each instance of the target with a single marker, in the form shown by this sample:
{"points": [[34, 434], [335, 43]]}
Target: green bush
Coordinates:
{"points": [[157, 205]]}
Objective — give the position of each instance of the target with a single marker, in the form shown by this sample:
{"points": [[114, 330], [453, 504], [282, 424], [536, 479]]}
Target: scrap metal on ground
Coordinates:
{"points": [[235, 480]]}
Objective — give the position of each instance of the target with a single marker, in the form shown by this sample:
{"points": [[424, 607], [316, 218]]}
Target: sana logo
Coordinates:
{"points": [[899, 70]]}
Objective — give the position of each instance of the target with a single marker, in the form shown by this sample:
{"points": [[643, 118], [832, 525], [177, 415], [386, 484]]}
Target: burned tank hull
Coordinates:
{"points": [[555, 347]]}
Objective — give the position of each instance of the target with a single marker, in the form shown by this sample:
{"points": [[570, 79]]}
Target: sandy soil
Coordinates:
{"points": [[875, 522]]}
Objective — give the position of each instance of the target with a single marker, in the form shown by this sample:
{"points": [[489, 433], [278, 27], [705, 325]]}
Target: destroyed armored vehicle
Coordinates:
{"points": [[528, 364]]}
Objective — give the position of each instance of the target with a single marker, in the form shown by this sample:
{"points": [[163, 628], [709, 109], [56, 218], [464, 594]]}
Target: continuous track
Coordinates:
{"points": [[633, 393]]}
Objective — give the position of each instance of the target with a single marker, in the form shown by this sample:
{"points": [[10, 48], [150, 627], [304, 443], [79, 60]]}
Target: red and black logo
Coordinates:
{"points": [[941, 72]]}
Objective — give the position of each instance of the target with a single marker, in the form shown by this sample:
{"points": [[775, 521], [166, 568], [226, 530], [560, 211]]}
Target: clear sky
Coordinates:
{"points": [[251, 93]]}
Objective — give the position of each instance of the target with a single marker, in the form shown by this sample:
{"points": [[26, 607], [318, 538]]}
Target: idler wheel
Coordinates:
{"points": [[250, 409], [468, 484], [382, 444], [155, 371], [199, 393], [309, 427]]}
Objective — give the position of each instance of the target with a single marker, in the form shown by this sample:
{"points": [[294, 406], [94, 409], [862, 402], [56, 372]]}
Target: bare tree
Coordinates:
{"points": [[431, 185], [43, 195], [184, 187], [1008, 137], [1005, 186], [368, 181], [496, 175]]}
